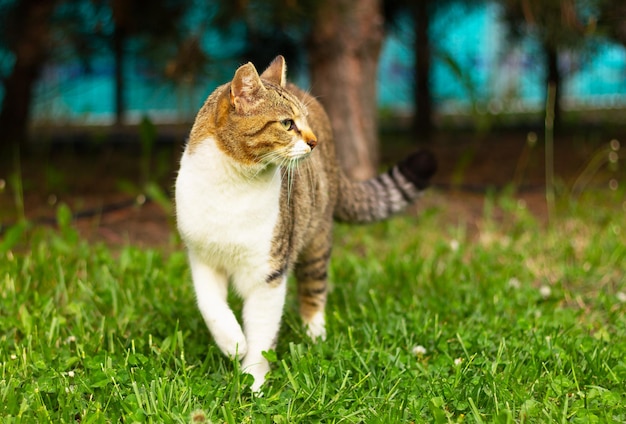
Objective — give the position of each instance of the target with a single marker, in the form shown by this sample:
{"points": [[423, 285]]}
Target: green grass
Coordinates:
{"points": [[516, 323]]}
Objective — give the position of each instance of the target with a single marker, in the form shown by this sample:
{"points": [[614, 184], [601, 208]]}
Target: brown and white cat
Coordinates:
{"points": [[256, 195]]}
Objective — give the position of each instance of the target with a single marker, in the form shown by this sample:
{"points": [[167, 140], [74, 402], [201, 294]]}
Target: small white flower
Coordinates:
{"points": [[514, 283], [70, 374], [545, 291], [419, 350], [13, 356], [621, 296], [458, 361], [199, 416], [614, 145], [454, 245]]}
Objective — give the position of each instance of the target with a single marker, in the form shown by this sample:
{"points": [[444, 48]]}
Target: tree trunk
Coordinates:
{"points": [[344, 48], [553, 77], [423, 119], [122, 19], [32, 18], [119, 40]]}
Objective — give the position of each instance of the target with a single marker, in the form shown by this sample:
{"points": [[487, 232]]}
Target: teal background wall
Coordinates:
{"points": [[473, 65]]}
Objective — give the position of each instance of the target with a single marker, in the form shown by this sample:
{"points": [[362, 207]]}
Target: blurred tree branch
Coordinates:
{"points": [[153, 24], [612, 19], [26, 31], [558, 25], [36, 30], [422, 13]]}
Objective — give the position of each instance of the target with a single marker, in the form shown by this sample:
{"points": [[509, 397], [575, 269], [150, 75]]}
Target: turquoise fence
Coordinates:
{"points": [[473, 66]]}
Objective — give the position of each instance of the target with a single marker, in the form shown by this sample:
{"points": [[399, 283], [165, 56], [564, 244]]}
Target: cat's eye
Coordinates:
{"points": [[288, 124]]}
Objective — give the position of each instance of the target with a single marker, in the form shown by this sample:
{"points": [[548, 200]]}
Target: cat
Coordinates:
{"points": [[256, 195]]}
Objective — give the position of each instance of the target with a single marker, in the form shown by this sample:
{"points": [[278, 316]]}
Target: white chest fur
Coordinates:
{"points": [[225, 217]]}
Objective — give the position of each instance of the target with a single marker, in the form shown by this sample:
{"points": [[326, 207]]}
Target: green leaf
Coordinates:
{"points": [[12, 236], [64, 216], [156, 193], [270, 355], [436, 406]]}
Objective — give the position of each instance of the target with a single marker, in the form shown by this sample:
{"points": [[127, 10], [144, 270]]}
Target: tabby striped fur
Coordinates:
{"points": [[256, 195]]}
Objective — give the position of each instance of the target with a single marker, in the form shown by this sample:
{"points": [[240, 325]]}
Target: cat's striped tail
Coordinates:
{"points": [[388, 193]]}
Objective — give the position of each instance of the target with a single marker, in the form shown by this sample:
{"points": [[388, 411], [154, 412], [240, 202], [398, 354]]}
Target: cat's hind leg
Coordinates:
{"points": [[312, 275], [211, 288]]}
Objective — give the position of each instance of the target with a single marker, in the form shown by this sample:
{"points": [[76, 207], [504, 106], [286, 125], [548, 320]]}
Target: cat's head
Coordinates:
{"points": [[260, 121]]}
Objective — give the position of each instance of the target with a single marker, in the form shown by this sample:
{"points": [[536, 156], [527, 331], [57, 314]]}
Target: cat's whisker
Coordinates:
{"points": [[253, 176], [269, 156], [266, 159], [290, 178]]}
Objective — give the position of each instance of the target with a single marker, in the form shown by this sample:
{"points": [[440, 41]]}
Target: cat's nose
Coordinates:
{"points": [[310, 139]]}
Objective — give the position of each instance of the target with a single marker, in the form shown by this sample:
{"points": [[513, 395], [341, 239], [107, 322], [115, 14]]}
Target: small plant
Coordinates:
{"points": [[549, 152], [524, 160], [16, 183], [147, 137], [148, 187], [606, 155]]}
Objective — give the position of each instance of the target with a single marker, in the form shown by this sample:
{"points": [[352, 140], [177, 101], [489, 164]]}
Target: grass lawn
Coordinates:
{"points": [[427, 322]]}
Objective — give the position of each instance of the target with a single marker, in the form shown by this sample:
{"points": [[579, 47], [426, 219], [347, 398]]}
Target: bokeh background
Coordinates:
{"points": [[172, 54], [98, 96]]}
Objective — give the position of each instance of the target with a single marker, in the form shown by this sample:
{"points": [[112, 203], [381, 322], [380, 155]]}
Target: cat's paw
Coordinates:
{"points": [[316, 327], [233, 346], [258, 369]]}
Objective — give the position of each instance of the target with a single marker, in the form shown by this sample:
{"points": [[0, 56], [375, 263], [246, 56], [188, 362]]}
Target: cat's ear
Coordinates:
{"points": [[276, 72], [245, 88]]}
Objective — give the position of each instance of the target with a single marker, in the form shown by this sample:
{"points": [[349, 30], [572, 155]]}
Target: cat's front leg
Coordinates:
{"points": [[262, 313], [211, 288]]}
